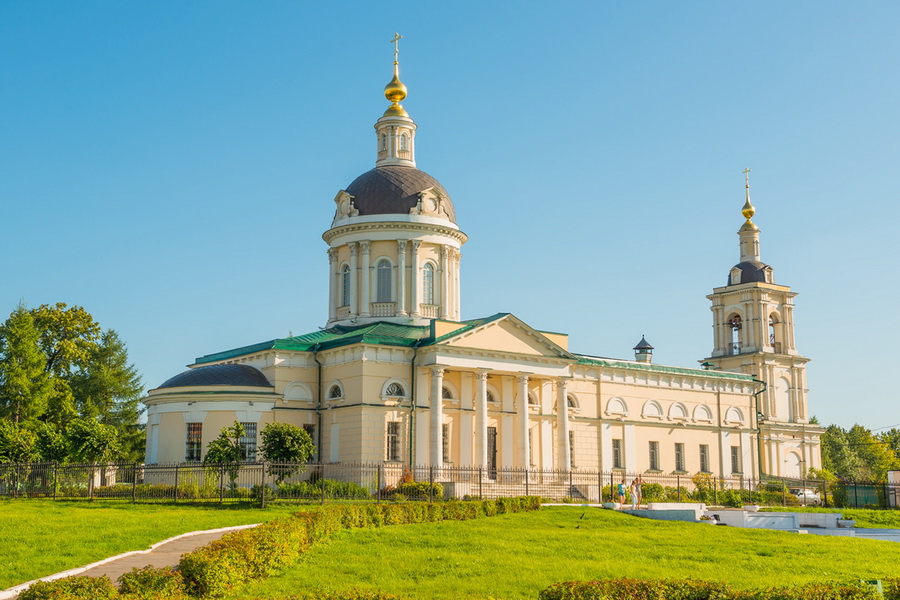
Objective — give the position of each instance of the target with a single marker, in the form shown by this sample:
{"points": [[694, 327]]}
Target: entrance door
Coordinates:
{"points": [[492, 452]]}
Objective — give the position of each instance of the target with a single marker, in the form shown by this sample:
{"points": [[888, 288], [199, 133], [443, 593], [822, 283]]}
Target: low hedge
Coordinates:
{"points": [[691, 589]]}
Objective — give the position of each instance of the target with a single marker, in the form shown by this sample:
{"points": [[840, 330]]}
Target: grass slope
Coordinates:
{"points": [[516, 556], [42, 537], [866, 518]]}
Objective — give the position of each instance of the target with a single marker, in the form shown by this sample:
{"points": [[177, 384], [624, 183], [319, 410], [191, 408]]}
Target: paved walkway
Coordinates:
{"points": [[166, 553]]}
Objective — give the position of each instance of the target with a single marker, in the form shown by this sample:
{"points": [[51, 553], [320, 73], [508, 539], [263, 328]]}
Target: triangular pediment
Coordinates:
{"points": [[506, 334]]}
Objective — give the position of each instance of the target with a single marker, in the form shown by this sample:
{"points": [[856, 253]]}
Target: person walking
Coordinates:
{"points": [[638, 488], [634, 493], [621, 492]]}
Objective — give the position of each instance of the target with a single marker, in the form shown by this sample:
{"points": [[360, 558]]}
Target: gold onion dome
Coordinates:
{"points": [[748, 210], [395, 92]]}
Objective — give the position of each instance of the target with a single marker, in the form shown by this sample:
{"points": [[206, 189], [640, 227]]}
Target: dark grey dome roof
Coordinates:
{"points": [[751, 270], [243, 375], [393, 189]]}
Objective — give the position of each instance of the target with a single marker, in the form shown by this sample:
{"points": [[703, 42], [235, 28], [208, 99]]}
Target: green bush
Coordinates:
{"points": [[421, 490], [345, 595], [151, 583], [691, 589], [334, 490], [72, 588], [891, 587]]}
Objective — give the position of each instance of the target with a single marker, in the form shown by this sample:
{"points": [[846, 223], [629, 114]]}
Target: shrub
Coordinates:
{"points": [[151, 583], [340, 490], [829, 590], [421, 490], [71, 588]]}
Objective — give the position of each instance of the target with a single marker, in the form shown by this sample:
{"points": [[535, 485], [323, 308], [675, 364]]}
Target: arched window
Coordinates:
{"points": [[735, 323], [446, 394], [404, 142], [383, 142], [345, 285], [776, 331], [572, 401], [678, 411], [383, 287], [490, 396], [335, 391], [394, 389], [428, 283], [532, 399], [652, 409]]}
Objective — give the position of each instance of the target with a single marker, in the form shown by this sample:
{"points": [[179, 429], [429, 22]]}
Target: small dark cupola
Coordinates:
{"points": [[643, 352]]}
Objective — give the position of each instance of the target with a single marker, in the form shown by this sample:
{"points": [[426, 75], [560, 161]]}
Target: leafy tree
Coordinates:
{"points": [[52, 445], [856, 454], [227, 452], [109, 389], [24, 386], [285, 446], [18, 444], [91, 441]]}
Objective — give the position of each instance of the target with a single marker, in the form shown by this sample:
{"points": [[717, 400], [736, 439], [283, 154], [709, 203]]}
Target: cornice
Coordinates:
{"points": [[418, 228]]}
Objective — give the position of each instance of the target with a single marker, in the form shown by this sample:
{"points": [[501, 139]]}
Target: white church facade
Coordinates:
{"points": [[397, 377]]}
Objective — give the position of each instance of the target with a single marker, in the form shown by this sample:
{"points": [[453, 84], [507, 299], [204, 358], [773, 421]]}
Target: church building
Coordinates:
{"points": [[398, 377]]}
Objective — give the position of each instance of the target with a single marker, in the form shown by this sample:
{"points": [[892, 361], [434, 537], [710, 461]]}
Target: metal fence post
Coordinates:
{"points": [[715, 491], [175, 491], [134, 483], [55, 478], [571, 495], [322, 475], [481, 482], [431, 483], [855, 495], [262, 487], [526, 482], [600, 487], [221, 484], [678, 486]]}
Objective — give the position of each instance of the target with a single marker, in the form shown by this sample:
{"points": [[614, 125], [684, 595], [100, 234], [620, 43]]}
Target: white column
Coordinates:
{"points": [[365, 280], [354, 279], [481, 419], [445, 280], [401, 277], [332, 284], [437, 417], [562, 415], [524, 449], [456, 295], [629, 449], [414, 279]]}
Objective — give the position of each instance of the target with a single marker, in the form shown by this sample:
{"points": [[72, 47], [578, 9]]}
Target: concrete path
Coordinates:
{"points": [[166, 553]]}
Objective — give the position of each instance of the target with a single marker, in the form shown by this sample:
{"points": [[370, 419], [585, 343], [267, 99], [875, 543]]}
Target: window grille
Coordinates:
{"points": [[392, 441], [446, 443], [704, 458], [194, 442], [617, 461], [248, 441], [446, 394], [335, 392], [654, 456], [395, 389], [428, 284], [345, 286], [572, 449], [679, 456], [490, 397], [736, 459]]}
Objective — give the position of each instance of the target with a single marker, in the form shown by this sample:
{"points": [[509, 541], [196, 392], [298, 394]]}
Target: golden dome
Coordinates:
{"points": [[395, 91]]}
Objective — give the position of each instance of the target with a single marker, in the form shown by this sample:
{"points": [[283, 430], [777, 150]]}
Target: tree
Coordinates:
{"points": [[109, 389], [18, 444], [25, 387], [91, 441], [856, 454], [227, 452], [68, 336], [285, 446]]}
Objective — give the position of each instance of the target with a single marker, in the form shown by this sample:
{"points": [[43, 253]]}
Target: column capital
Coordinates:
{"points": [[332, 254], [445, 251], [401, 244], [354, 248], [365, 245], [437, 370], [415, 245], [482, 374], [523, 377]]}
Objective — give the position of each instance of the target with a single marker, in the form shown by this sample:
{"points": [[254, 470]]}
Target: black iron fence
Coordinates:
{"points": [[308, 482]]}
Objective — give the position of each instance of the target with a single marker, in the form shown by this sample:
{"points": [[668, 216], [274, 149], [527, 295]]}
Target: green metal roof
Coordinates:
{"points": [[636, 366], [382, 333]]}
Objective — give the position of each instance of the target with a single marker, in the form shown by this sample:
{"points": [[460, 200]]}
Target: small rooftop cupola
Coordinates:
{"points": [[643, 352], [395, 130], [751, 268]]}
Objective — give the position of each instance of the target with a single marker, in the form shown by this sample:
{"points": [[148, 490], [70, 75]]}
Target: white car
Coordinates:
{"points": [[806, 496]]}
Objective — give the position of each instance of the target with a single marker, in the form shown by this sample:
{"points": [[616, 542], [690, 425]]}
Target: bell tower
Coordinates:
{"points": [[753, 333]]}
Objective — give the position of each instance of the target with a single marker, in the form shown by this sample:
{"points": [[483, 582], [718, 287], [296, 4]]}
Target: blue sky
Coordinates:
{"points": [[170, 166]]}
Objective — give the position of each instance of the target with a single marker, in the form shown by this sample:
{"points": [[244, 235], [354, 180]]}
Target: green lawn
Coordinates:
{"points": [[516, 556], [866, 518], [41, 537]]}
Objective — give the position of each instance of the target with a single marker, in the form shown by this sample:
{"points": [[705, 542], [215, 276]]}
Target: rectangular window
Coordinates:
{"points": [[618, 463], [311, 432], [654, 456], [704, 458], [248, 442], [679, 456], [194, 442], [530, 449], [736, 459], [446, 451], [393, 440], [572, 449]]}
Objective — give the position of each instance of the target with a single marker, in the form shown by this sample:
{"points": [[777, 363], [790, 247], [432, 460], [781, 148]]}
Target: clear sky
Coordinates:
{"points": [[171, 166]]}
